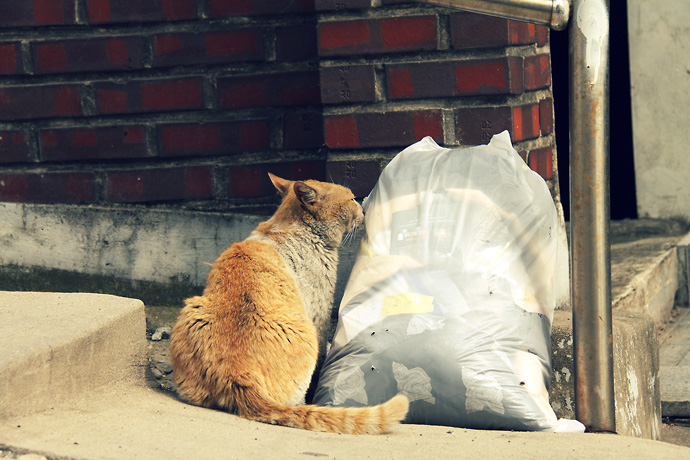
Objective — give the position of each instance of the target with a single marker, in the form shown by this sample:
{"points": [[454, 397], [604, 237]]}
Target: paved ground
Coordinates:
{"points": [[127, 418]]}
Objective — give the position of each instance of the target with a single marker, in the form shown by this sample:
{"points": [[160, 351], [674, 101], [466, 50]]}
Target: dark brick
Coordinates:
{"points": [[207, 48], [93, 143], [72, 188], [204, 139], [339, 38], [114, 11], [115, 53], [347, 84], [297, 43], [252, 180], [478, 125], [282, 89], [546, 116], [360, 176], [14, 147], [10, 59], [390, 129], [149, 95], [258, 7], [474, 126], [19, 13], [330, 5], [164, 184], [13, 187], [470, 30], [40, 101], [303, 130], [537, 72], [541, 161], [455, 78]]}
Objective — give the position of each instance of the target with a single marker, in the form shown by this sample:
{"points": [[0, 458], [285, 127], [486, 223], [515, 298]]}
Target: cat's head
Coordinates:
{"points": [[323, 205]]}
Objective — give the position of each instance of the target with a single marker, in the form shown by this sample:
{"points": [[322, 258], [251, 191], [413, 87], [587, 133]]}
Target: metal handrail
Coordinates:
{"points": [[589, 189], [553, 13]]}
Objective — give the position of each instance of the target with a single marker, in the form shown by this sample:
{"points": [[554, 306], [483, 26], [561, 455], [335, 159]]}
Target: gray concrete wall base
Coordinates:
{"points": [[135, 243], [636, 373], [56, 346]]}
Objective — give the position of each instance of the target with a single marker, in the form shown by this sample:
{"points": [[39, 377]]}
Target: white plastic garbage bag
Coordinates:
{"points": [[453, 291]]}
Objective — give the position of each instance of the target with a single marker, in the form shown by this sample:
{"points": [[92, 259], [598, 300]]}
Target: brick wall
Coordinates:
{"points": [[191, 102]]}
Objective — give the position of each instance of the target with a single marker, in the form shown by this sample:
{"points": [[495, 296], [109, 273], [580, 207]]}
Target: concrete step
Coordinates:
{"points": [[58, 345], [674, 359]]}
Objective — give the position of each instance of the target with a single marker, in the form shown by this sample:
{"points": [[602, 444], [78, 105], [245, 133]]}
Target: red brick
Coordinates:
{"points": [[171, 94], [341, 131], [415, 33], [390, 129], [542, 35], [292, 88], [252, 180], [258, 7], [39, 101], [93, 143], [347, 84], [198, 182], [342, 38], [360, 176], [248, 181], [303, 130], [115, 11], [149, 95], [14, 147], [537, 72], [208, 48], [254, 135], [72, 188], [541, 161], [470, 30], [296, 43], [525, 122], [347, 34], [521, 32], [330, 5], [10, 58], [115, 53], [36, 12], [546, 116], [203, 139], [164, 184], [455, 78]]}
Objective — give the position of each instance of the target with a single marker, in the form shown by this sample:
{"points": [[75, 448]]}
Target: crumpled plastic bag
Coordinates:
{"points": [[452, 293]]}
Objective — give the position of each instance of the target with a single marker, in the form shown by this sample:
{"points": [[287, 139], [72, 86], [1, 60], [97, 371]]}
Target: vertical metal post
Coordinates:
{"points": [[589, 214]]}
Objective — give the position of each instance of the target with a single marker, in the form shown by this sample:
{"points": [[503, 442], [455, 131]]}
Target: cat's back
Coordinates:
{"points": [[250, 268]]}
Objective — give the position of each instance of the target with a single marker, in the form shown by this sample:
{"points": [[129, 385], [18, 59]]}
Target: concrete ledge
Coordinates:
{"points": [[648, 277], [58, 345], [636, 368]]}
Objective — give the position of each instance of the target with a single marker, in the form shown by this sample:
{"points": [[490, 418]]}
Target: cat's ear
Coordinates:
{"points": [[305, 193], [282, 185]]}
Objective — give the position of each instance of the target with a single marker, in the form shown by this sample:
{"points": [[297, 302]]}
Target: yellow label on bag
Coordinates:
{"points": [[409, 302]]}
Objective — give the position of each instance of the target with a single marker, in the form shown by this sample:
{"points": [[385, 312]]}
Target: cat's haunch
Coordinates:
{"points": [[251, 342]]}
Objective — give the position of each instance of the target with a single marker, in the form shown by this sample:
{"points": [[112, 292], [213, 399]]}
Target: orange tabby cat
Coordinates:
{"points": [[250, 344]]}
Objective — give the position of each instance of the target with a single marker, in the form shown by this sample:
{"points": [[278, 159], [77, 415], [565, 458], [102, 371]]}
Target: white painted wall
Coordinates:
{"points": [[659, 34]]}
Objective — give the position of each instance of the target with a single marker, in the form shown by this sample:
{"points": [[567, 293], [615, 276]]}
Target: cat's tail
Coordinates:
{"points": [[346, 420]]}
